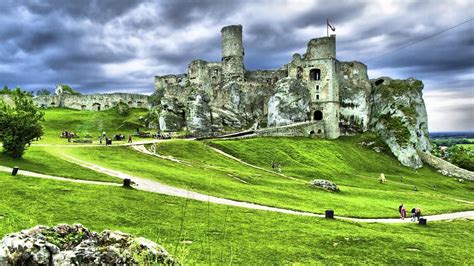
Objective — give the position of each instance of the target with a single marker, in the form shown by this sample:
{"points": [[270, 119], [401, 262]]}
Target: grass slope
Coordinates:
{"points": [[84, 123], [46, 160], [361, 195], [197, 232]]}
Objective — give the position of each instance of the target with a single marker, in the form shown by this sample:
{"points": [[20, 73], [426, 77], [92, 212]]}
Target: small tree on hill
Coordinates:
{"points": [[19, 123], [122, 108]]}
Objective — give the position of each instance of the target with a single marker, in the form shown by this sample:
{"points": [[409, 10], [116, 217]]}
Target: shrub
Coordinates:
{"points": [[19, 123]]}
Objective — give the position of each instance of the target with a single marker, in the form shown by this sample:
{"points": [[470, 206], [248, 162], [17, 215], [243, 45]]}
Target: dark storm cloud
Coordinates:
{"points": [[179, 14], [97, 10], [109, 45]]}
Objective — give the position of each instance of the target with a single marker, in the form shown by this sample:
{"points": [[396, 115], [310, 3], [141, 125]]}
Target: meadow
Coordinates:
{"points": [[204, 233]]}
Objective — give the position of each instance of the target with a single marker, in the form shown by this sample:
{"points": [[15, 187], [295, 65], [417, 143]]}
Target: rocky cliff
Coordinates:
{"points": [[398, 116]]}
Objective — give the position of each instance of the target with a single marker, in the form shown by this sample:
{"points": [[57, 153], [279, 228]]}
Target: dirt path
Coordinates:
{"points": [[156, 187], [221, 152], [80, 145], [38, 175]]}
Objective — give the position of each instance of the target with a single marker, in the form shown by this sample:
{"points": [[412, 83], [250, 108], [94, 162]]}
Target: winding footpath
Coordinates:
{"points": [[159, 188], [156, 187]]}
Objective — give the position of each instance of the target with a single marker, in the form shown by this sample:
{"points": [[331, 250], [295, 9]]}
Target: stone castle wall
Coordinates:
{"points": [[94, 102]]}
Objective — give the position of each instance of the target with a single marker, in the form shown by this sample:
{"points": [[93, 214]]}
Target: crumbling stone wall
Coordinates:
{"points": [[95, 102], [219, 97]]}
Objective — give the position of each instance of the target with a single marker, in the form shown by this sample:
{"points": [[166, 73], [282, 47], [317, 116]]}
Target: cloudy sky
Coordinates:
{"points": [[120, 45]]}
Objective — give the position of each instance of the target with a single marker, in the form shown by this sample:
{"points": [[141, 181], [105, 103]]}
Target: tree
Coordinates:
{"points": [[19, 123], [43, 92], [122, 108], [5, 90], [66, 89]]}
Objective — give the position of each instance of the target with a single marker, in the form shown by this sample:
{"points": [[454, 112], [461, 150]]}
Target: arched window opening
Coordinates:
{"points": [[318, 115], [96, 106], [315, 74], [379, 82]]}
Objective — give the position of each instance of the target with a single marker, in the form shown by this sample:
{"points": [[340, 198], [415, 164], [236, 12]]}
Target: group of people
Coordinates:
{"points": [[273, 166], [68, 135], [108, 141], [415, 213]]}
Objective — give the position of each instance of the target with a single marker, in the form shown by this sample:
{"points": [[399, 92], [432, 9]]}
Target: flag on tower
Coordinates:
{"points": [[329, 26]]}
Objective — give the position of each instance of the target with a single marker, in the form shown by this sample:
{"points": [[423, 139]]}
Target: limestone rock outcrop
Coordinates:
{"points": [[76, 245], [289, 103], [399, 116]]}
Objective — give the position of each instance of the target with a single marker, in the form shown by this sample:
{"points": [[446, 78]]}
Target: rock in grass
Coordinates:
{"points": [[76, 245], [325, 184]]}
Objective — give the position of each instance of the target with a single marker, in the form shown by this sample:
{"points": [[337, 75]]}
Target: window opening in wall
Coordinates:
{"points": [[317, 87], [318, 115], [315, 74], [317, 96]]}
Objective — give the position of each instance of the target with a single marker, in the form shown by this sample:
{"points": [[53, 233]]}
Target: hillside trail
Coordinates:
{"points": [[159, 188], [81, 145], [38, 175]]}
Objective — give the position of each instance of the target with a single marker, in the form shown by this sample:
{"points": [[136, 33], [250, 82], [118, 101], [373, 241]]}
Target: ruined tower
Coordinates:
{"points": [[232, 53], [319, 70]]}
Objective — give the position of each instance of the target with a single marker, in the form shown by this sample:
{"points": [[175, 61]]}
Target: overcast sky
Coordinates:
{"points": [[120, 45]]}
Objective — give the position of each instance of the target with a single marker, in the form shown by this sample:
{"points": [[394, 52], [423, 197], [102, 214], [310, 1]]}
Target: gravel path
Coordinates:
{"points": [[221, 152], [156, 187], [38, 175]]}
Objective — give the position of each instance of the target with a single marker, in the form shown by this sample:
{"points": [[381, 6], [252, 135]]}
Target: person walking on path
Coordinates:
{"points": [[279, 168], [129, 138], [413, 215], [273, 165], [404, 212], [100, 140], [418, 213]]}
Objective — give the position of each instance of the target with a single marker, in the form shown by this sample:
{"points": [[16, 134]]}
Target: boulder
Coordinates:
{"points": [[74, 245], [325, 184]]}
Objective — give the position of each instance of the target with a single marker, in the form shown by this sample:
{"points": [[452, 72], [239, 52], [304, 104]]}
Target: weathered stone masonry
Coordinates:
{"points": [[95, 102], [336, 97]]}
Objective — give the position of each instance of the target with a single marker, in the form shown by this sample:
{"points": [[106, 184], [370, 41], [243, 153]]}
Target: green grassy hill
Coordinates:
{"points": [[199, 232], [90, 123]]}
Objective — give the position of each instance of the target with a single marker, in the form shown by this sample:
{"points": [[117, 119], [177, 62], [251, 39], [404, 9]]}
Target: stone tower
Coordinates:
{"points": [[232, 53], [319, 70]]}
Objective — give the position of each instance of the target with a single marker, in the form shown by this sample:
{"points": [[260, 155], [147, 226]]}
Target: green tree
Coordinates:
{"points": [[5, 90], [19, 123], [68, 90], [42, 92], [122, 108]]}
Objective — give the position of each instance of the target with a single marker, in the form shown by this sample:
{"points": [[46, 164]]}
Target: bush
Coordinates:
{"points": [[19, 123], [122, 109]]}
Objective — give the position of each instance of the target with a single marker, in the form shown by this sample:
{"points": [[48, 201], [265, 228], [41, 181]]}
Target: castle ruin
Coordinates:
{"points": [[313, 95]]}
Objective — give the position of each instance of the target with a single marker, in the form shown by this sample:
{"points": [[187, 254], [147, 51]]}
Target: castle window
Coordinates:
{"points": [[216, 71], [379, 82], [315, 74], [317, 96], [317, 87], [299, 72], [318, 115]]}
